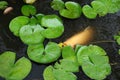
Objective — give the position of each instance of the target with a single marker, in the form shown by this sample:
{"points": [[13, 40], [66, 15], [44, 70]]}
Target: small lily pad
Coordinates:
{"points": [[48, 73], [17, 23], [89, 12], [57, 5], [67, 65], [28, 10], [38, 54], [54, 26], [11, 70], [31, 34], [72, 11]]}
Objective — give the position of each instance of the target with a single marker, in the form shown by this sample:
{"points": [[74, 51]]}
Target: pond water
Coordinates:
{"points": [[106, 27]]}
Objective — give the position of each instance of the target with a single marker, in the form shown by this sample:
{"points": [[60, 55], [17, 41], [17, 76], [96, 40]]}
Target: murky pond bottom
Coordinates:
{"points": [[106, 27]]}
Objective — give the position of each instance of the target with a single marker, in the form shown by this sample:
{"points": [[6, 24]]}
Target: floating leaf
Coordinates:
{"points": [[17, 23], [48, 73], [11, 71], [38, 54], [3, 5], [20, 70], [99, 8], [72, 11], [39, 17], [89, 12], [94, 62], [31, 34], [61, 74], [7, 60], [54, 26], [67, 65], [57, 5], [28, 10]]}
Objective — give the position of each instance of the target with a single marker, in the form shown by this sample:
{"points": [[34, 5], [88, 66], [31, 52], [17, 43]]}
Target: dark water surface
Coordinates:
{"points": [[106, 28]]}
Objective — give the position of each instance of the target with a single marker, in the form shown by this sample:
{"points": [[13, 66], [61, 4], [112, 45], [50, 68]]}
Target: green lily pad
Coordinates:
{"points": [[33, 21], [20, 70], [48, 73], [3, 5], [72, 11], [61, 74], [54, 26], [28, 10], [11, 70], [68, 52], [67, 65], [38, 54], [100, 8], [91, 58], [7, 60], [57, 5], [31, 34], [89, 12], [17, 23], [39, 17]]}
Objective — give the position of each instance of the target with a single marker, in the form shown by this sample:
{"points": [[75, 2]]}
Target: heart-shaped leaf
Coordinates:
{"points": [[11, 71], [57, 74], [38, 54], [31, 34], [57, 5], [54, 26], [17, 23], [100, 8], [28, 10], [20, 70], [89, 12], [7, 60], [48, 73], [72, 11], [94, 62]]}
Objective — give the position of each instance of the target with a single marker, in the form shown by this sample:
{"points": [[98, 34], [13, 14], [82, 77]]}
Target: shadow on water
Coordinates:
{"points": [[106, 28]]}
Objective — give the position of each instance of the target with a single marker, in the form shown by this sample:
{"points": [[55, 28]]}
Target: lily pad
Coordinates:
{"points": [[28, 10], [91, 58], [11, 70], [67, 65], [89, 12], [17, 23], [31, 34], [54, 26], [57, 5], [72, 11], [38, 54]]}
